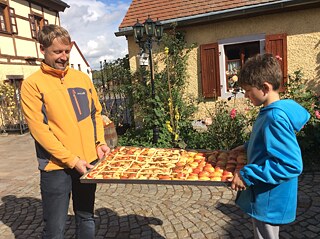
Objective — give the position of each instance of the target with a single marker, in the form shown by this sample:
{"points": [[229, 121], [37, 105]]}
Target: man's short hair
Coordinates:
{"points": [[49, 32], [259, 69]]}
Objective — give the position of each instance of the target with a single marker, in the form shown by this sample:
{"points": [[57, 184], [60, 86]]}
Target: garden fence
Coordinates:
{"points": [[114, 84]]}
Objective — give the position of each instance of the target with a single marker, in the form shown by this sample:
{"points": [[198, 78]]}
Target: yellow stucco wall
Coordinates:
{"points": [[21, 7], [6, 46], [23, 28], [51, 17], [26, 48], [16, 70], [36, 8], [303, 43]]}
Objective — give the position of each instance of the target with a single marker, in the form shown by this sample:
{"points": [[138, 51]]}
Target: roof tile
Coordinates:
{"points": [[172, 9]]}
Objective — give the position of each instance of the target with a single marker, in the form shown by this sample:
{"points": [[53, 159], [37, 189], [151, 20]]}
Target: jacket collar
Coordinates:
{"points": [[54, 72]]}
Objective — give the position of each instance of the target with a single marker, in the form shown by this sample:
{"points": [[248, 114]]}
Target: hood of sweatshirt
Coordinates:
{"points": [[297, 114]]}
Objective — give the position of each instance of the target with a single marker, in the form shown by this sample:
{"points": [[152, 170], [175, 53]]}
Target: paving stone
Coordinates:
{"points": [[125, 211]]}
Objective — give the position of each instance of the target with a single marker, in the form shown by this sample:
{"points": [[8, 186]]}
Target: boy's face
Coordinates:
{"points": [[256, 96], [56, 55]]}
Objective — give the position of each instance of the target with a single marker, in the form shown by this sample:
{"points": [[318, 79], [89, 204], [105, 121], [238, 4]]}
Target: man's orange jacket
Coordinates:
{"points": [[63, 113]]}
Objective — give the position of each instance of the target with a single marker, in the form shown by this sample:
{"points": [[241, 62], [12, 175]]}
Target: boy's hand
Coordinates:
{"points": [[237, 183]]}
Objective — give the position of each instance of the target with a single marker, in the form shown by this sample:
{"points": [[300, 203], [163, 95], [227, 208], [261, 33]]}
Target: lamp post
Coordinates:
{"points": [[103, 87], [145, 34]]}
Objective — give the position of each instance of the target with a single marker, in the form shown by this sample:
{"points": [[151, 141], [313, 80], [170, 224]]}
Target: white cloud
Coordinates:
{"points": [[92, 24]]}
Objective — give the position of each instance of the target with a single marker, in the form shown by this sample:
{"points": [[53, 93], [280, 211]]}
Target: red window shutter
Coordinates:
{"points": [[277, 45], [33, 26], [210, 76]]}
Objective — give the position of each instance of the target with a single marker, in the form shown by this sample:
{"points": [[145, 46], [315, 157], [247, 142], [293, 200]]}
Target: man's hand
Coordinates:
{"points": [[103, 150], [237, 183], [82, 166]]}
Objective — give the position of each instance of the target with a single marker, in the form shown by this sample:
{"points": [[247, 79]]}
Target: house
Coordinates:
{"points": [[227, 32], [77, 60], [20, 22], [20, 56]]}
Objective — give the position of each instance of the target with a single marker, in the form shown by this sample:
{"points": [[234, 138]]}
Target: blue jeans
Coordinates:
{"points": [[56, 188]]}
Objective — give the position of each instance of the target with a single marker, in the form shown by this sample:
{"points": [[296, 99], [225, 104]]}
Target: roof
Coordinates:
{"points": [[168, 11], [73, 43], [56, 5]]}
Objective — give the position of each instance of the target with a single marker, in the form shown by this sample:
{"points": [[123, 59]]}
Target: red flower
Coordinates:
{"points": [[233, 113], [317, 114]]}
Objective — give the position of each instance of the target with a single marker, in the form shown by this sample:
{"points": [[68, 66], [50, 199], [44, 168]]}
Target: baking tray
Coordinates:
{"points": [[158, 181], [85, 179]]}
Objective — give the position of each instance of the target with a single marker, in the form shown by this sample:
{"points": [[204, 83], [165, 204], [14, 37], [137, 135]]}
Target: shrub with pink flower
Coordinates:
{"points": [[309, 136], [233, 113]]}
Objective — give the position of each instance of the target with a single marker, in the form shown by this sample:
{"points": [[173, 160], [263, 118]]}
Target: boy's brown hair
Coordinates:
{"points": [[259, 69], [49, 32]]}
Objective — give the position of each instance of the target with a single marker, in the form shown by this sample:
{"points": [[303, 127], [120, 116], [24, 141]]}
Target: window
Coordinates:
{"points": [[217, 59], [2, 20], [72, 66], [13, 20], [236, 55], [8, 22], [36, 23], [79, 67]]}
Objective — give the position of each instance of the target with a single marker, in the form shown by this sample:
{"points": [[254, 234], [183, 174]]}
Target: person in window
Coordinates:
{"points": [[267, 186], [63, 113]]}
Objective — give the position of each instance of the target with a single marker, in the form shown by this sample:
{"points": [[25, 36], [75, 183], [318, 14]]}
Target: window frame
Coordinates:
{"points": [[243, 53], [9, 19], [36, 22], [223, 61], [275, 44], [3, 15], [13, 21]]}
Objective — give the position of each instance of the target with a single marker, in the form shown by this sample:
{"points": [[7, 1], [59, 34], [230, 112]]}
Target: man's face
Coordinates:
{"points": [[56, 55]]}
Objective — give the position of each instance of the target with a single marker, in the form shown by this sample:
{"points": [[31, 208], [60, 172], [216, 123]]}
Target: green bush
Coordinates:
{"points": [[309, 136], [229, 129], [169, 111]]}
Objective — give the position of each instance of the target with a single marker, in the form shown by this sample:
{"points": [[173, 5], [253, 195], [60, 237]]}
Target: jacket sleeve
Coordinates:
{"points": [[96, 114], [32, 105], [282, 160]]}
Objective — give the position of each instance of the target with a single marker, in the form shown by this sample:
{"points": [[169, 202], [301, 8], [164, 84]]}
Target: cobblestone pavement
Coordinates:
{"points": [[137, 210]]}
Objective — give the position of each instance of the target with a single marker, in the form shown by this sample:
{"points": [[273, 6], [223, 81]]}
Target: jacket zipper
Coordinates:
{"points": [[76, 100]]}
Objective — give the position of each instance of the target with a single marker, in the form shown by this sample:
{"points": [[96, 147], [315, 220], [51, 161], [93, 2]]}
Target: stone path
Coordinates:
{"points": [[126, 211]]}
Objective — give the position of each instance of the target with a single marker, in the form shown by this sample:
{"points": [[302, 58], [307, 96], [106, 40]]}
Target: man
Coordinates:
{"points": [[62, 110]]}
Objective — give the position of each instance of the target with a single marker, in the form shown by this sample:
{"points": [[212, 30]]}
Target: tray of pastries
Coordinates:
{"points": [[166, 166]]}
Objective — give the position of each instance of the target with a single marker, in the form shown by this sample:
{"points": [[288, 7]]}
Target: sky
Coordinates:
{"points": [[92, 24]]}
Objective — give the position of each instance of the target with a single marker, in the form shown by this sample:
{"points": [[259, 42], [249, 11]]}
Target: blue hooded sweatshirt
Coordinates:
{"points": [[274, 163]]}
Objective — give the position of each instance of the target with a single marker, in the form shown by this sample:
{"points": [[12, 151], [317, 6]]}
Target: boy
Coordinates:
{"points": [[268, 184]]}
